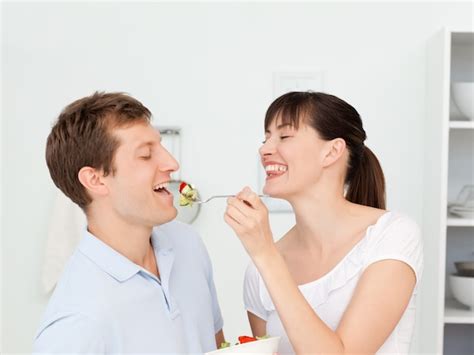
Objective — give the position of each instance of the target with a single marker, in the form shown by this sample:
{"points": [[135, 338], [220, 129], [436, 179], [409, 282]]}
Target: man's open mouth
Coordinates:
{"points": [[162, 188]]}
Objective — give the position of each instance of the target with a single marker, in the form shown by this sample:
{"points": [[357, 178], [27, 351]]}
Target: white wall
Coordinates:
{"points": [[1, 187], [207, 68]]}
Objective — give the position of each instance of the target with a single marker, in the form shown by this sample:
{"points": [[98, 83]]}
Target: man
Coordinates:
{"points": [[138, 282]]}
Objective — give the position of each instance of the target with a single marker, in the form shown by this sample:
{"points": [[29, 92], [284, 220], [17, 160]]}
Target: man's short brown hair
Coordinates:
{"points": [[82, 136]]}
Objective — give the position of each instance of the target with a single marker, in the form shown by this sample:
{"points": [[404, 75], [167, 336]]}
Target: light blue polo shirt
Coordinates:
{"points": [[105, 303]]}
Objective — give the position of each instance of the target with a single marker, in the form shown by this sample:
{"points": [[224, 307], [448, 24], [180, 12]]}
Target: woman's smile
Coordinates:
{"points": [[274, 170]]}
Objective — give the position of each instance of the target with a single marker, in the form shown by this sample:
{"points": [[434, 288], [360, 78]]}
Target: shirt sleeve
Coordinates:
{"points": [[216, 310], [252, 301], [72, 334], [400, 241]]}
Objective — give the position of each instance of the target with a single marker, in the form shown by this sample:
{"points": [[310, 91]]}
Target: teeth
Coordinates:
{"points": [[276, 168], [161, 186]]}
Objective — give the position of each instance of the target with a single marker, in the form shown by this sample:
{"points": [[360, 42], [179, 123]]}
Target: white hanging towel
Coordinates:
{"points": [[66, 228]]}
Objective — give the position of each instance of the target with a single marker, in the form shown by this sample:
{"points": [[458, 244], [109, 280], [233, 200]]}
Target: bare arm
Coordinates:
{"points": [[374, 311], [219, 338], [257, 324], [377, 305]]}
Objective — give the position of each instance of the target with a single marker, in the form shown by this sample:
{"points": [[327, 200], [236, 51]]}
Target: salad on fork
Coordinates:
{"points": [[189, 195]]}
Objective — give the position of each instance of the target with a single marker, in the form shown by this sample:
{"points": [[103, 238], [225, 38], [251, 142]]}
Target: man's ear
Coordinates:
{"points": [[335, 150], [91, 179]]}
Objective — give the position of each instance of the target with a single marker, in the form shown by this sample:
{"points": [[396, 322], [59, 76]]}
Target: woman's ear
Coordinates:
{"points": [[335, 150], [91, 179]]}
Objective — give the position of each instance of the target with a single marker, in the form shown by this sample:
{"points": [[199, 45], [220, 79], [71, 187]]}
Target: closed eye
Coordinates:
{"points": [[148, 157], [281, 137]]}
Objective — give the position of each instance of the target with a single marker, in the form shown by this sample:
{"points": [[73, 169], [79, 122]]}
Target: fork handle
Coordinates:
{"points": [[222, 196]]}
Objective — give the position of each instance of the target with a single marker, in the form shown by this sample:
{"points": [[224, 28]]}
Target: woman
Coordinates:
{"points": [[343, 279]]}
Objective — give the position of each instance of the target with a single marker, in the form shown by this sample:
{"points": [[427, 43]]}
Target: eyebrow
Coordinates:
{"points": [[144, 144], [279, 127]]}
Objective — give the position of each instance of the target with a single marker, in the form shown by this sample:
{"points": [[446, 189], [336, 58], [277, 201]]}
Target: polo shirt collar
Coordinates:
{"points": [[108, 259], [161, 241]]}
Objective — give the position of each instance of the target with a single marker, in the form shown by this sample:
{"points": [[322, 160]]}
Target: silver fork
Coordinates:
{"points": [[200, 202]]}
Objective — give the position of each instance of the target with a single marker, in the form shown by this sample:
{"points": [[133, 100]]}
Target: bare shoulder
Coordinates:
{"points": [[366, 214]]}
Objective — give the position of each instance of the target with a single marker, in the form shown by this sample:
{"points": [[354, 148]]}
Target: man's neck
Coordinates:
{"points": [[132, 241]]}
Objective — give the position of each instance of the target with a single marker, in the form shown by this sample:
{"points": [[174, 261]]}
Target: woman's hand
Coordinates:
{"points": [[248, 217]]}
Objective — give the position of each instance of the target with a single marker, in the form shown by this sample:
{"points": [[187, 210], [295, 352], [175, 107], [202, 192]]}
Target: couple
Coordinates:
{"points": [[342, 280]]}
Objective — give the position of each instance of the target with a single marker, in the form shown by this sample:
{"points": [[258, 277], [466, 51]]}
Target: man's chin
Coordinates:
{"points": [[166, 216]]}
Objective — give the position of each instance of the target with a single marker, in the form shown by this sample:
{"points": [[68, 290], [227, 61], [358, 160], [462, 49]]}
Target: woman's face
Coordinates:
{"points": [[292, 158]]}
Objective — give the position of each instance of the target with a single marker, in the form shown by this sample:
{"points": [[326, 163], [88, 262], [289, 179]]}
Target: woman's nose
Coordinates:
{"points": [[267, 148]]}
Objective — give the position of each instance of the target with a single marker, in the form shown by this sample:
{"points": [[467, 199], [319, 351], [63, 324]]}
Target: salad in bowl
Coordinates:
{"points": [[249, 345]]}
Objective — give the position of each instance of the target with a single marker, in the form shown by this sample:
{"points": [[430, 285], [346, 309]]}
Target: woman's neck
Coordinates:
{"points": [[324, 218]]}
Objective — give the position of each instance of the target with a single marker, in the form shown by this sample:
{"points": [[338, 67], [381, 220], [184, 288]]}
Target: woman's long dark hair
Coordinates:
{"points": [[334, 118]]}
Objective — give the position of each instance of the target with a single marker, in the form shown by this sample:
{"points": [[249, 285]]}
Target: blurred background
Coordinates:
{"points": [[212, 69]]}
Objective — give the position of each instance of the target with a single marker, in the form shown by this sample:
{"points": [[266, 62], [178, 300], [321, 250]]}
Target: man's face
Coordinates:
{"points": [[142, 165]]}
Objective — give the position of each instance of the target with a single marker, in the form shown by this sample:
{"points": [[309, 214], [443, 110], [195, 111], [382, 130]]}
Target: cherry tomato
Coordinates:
{"points": [[246, 339]]}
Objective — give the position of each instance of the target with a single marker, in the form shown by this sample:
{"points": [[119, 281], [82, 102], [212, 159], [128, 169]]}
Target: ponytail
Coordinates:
{"points": [[366, 185]]}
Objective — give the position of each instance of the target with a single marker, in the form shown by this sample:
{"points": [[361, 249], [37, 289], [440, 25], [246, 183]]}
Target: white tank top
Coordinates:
{"points": [[393, 236]]}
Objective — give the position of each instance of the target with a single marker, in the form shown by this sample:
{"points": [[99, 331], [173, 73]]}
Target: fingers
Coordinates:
{"points": [[239, 204], [241, 212], [251, 197], [235, 213], [232, 223]]}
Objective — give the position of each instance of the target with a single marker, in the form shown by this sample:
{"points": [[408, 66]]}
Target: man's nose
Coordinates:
{"points": [[168, 162]]}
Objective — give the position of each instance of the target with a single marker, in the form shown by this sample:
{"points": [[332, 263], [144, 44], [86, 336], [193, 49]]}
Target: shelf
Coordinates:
{"points": [[459, 222], [461, 124], [463, 38], [456, 313]]}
